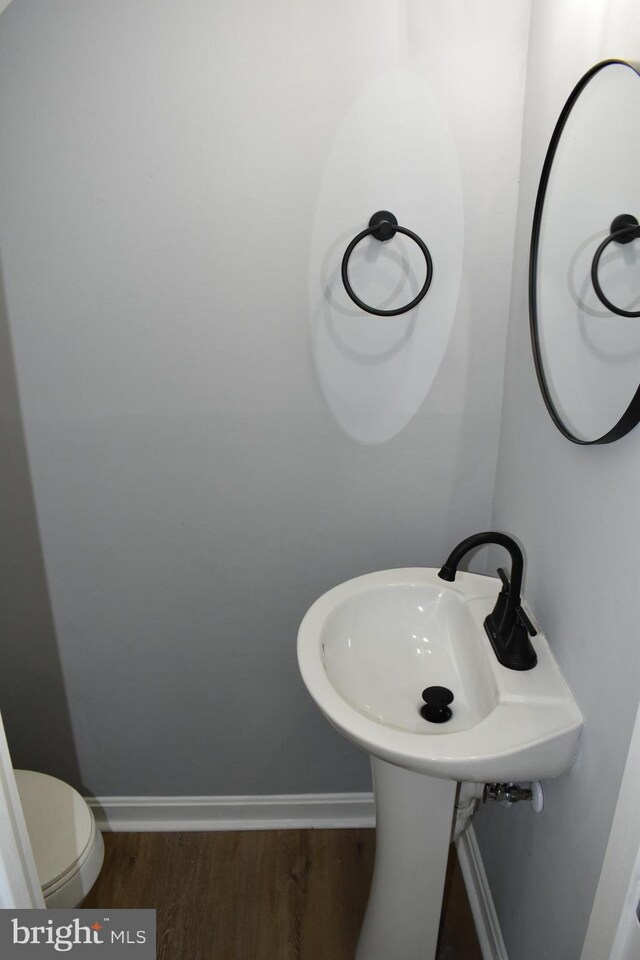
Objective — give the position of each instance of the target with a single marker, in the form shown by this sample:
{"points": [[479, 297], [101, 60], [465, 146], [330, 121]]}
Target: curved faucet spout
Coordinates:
{"points": [[450, 567]]}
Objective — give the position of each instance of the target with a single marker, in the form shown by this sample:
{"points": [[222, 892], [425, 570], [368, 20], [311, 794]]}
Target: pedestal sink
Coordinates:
{"points": [[366, 650]]}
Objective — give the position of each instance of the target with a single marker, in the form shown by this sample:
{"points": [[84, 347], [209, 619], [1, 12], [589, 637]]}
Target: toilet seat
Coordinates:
{"points": [[67, 846]]}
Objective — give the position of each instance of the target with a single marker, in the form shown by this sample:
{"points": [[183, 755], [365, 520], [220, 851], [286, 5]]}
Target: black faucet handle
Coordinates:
{"points": [[522, 617], [496, 615]]}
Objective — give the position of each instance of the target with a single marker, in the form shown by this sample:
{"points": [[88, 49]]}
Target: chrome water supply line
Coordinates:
{"points": [[506, 794]]}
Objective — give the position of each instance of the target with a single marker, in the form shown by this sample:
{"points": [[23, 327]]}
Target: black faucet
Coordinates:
{"points": [[508, 627]]}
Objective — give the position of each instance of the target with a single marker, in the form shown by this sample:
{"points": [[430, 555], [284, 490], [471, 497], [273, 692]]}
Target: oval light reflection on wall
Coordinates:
{"points": [[393, 151]]}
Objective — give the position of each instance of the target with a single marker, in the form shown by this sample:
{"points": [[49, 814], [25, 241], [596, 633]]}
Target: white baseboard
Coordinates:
{"points": [[480, 899], [296, 812]]}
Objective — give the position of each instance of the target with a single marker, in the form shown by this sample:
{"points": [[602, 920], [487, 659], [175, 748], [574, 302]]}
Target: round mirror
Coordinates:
{"points": [[584, 272]]}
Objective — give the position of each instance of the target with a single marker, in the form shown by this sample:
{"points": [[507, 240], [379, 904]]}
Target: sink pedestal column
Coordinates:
{"points": [[414, 814]]}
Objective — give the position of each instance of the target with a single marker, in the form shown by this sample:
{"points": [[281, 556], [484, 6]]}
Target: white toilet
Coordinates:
{"points": [[67, 845]]}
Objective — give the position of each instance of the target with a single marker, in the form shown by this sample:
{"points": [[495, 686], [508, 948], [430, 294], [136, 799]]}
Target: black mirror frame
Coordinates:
{"points": [[631, 416]]}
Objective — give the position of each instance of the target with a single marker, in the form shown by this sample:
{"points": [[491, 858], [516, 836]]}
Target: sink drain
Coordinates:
{"points": [[436, 704]]}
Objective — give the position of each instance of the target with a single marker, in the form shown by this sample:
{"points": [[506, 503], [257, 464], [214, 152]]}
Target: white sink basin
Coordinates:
{"points": [[369, 647]]}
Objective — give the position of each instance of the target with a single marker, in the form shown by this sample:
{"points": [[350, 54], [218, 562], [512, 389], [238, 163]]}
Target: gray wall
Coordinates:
{"points": [[32, 692], [160, 168], [575, 510]]}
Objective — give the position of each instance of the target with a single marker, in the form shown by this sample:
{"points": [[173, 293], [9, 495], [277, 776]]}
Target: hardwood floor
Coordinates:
{"points": [[260, 895]]}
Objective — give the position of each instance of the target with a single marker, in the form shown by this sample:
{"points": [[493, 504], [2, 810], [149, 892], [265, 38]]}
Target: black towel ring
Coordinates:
{"points": [[624, 229], [383, 226]]}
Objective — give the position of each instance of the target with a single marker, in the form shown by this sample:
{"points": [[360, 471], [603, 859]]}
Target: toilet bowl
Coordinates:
{"points": [[67, 846]]}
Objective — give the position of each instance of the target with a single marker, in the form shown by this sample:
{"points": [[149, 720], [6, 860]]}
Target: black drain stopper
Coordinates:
{"points": [[436, 708]]}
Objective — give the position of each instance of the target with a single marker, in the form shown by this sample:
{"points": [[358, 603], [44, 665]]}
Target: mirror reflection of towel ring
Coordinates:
{"points": [[624, 229], [383, 226]]}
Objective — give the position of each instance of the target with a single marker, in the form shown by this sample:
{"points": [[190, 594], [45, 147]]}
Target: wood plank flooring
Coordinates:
{"points": [[260, 895]]}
